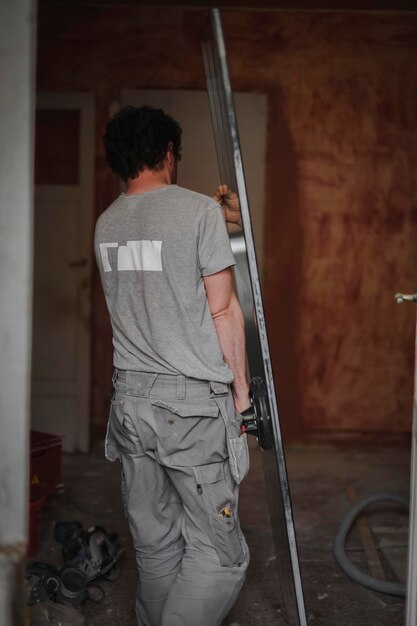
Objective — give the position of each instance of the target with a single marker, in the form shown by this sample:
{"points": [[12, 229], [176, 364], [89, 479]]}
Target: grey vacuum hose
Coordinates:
{"points": [[339, 547]]}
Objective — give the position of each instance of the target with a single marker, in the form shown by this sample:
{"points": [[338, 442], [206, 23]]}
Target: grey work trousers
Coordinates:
{"points": [[183, 456]]}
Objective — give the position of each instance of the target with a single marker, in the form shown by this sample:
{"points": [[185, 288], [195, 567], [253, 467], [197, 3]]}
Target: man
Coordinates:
{"points": [[180, 376]]}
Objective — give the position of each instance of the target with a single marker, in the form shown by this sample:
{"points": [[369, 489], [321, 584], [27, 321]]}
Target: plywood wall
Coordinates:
{"points": [[341, 219]]}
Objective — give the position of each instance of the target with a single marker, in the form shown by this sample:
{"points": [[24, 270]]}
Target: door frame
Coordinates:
{"points": [[84, 103]]}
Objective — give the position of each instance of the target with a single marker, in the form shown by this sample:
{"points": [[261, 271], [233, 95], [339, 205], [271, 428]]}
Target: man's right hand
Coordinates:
{"points": [[229, 202], [241, 400]]}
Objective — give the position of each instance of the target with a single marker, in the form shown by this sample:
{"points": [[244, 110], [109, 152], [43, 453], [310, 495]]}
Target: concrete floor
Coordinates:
{"points": [[324, 483]]}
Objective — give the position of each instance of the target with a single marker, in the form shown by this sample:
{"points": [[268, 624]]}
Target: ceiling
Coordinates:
{"points": [[309, 5]]}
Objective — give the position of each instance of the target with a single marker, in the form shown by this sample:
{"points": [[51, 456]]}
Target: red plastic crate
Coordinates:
{"points": [[45, 461]]}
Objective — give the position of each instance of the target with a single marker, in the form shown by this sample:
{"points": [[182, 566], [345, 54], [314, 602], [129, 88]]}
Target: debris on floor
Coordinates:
{"points": [[55, 594], [49, 613], [321, 479]]}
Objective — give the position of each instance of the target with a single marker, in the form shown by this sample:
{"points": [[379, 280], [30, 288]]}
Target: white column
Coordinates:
{"points": [[17, 59]]}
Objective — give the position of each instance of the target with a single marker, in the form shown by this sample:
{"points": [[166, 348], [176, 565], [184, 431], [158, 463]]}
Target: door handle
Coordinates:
{"points": [[406, 297]]}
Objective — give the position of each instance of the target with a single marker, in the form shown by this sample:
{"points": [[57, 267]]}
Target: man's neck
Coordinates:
{"points": [[148, 180]]}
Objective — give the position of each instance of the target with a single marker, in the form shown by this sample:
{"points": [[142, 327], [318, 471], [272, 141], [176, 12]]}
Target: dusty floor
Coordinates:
{"points": [[324, 482]]}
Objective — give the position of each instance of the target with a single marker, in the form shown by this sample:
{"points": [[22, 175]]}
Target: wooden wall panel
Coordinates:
{"points": [[341, 186], [353, 121]]}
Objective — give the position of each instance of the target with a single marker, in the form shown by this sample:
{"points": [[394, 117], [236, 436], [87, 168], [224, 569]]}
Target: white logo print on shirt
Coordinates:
{"points": [[143, 256]]}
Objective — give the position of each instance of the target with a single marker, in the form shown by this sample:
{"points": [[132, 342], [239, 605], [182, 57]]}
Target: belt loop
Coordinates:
{"points": [[180, 387], [149, 384], [218, 389]]}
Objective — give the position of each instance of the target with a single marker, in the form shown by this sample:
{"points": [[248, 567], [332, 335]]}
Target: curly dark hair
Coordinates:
{"points": [[139, 137]]}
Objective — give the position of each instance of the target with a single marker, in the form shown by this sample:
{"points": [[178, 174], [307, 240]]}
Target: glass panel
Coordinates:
{"points": [[289, 585]]}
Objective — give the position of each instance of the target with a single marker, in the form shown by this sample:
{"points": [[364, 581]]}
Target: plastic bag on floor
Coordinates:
{"points": [[52, 614]]}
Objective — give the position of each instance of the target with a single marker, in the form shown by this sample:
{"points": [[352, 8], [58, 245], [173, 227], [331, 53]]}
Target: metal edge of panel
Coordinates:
{"points": [[251, 255]]}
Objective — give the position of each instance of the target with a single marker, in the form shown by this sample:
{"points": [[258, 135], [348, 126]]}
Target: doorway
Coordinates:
{"points": [[63, 219]]}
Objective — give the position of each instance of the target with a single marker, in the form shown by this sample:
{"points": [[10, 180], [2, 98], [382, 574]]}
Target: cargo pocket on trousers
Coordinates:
{"points": [[122, 430], [239, 457], [190, 433], [222, 513], [111, 451]]}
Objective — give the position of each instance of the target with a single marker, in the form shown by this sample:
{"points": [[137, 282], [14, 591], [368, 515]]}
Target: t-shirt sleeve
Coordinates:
{"points": [[214, 251]]}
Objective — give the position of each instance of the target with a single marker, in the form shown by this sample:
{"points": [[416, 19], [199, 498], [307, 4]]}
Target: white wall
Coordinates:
{"points": [[16, 124]]}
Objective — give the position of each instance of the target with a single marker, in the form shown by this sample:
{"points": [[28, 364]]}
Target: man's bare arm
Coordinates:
{"points": [[228, 319]]}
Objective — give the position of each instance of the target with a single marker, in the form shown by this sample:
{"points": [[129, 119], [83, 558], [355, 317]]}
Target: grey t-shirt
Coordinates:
{"points": [[152, 250]]}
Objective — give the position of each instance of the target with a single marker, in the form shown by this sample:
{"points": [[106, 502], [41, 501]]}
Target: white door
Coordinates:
{"points": [[64, 178], [198, 169]]}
